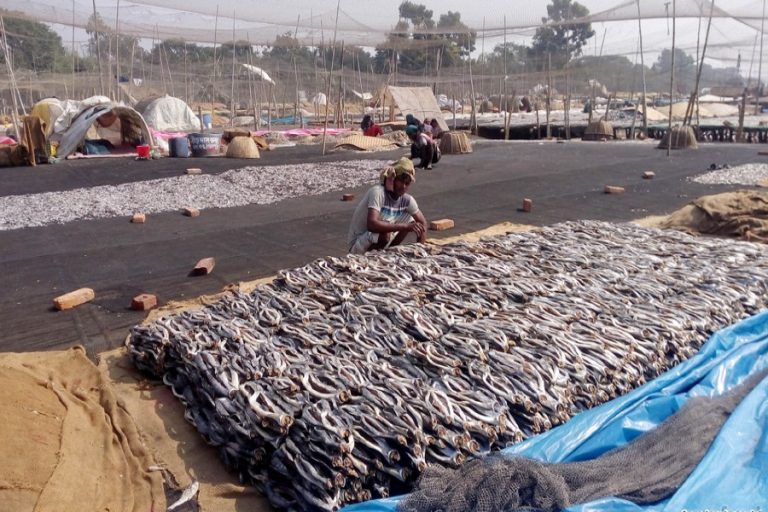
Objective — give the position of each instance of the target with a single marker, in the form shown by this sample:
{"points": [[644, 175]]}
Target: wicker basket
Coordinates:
{"points": [[682, 137], [242, 147], [598, 130], [455, 143]]}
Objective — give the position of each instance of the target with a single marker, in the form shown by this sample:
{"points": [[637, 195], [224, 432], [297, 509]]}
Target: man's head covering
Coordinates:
{"points": [[409, 120], [402, 166], [411, 129]]}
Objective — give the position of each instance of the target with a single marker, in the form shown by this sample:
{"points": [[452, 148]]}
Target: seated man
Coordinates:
{"points": [[386, 210]]}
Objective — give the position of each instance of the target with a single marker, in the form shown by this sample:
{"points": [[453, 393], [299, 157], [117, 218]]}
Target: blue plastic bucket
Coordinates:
{"points": [[204, 144], [178, 147]]}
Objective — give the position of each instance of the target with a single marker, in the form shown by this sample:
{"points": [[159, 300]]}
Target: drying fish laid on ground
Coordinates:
{"points": [[345, 378], [747, 174], [238, 187]]}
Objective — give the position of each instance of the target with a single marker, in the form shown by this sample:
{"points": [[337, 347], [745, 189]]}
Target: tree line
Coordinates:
{"points": [[419, 44]]}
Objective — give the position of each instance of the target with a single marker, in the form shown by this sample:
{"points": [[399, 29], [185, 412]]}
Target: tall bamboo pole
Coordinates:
{"points": [[642, 68], [98, 48], [695, 95], [330, 72], [215, 40], [14, 88], [671, 80], [760, 65], [504, 92], [473, 118], [74, 54], [234, 59], [117, 52]]}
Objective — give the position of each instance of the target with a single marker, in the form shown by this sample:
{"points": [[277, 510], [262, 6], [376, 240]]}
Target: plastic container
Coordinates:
{"points": [[143, 150], [178, 147], [204, 144], [207, 121]]}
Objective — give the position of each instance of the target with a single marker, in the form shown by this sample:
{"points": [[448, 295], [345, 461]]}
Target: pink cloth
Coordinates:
{"points": [[6, 141], [156, 134], [297, 132]]}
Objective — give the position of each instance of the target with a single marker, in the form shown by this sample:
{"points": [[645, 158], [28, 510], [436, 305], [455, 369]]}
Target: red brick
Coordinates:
{"points": [[441, 224], [74, 298], [527, 205], [194, 170], [144, 302], [609, 189], [347, 197], [649, 175], [139, 218], [204, 267], [191, 212]]}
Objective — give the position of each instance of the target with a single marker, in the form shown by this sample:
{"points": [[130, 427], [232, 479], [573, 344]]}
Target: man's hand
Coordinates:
{"points": [[418, 228]]}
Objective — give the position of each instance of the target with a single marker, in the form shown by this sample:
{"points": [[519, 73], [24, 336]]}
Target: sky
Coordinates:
{"points": [[364, 22]]}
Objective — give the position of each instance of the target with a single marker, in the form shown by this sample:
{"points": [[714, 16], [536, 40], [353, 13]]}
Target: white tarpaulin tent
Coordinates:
{"points": [[257, 71], [132, 127], [169, 114], [418, 101]]}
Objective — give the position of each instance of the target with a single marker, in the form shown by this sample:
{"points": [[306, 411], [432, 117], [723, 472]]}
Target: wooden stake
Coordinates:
{"points": [[232, 92], [330, 72], [98, 47], [117, 52], [671, 81], [642, 67]]}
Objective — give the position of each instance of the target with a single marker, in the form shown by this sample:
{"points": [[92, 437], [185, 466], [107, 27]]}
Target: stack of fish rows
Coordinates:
{"points": [[342, 380]]}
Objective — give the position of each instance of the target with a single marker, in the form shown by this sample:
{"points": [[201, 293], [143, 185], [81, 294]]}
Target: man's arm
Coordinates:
{"points": [[376, 225], [421, 221]]}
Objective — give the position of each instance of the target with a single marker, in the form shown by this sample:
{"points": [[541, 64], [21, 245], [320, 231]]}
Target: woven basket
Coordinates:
{"points": [[598, 130], [455, 143], [682, 137], [242, 147]]}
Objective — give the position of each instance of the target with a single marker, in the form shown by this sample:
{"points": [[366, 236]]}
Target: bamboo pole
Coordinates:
{"points": [[98, 47], [473, 115], [215, 41], [549, 93], [234, 60], [642, 68], [504, 92], [330, 72], [14, 87], [760, 65], [117, 52], [296, 105], [74, 54], [695, 95], [671, 81]]}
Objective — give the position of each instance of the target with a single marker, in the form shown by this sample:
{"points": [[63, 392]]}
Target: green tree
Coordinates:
{"points": [[286, 48], [560, 39], [416, 55], [456, 38], [101, 38], [34, 45], [685, 70]]}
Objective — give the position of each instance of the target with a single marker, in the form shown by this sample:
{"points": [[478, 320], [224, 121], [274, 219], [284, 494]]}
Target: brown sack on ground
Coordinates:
{"points": [[743, 213], [68, 443], [174, 442]]}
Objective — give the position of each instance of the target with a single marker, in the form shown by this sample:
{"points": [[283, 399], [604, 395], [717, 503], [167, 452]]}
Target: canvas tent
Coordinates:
{"points": [[418, 101], [168, 114], [133, 128]]}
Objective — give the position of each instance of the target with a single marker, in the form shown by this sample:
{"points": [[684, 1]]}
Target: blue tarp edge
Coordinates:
{"points": [[732, 476]]}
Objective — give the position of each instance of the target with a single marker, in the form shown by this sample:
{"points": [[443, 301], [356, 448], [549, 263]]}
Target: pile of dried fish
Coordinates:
{"points": [[343, 379]]}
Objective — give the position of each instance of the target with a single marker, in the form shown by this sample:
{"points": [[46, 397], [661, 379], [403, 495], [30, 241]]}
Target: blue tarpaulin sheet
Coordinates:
{"points": [[732, 476]]}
